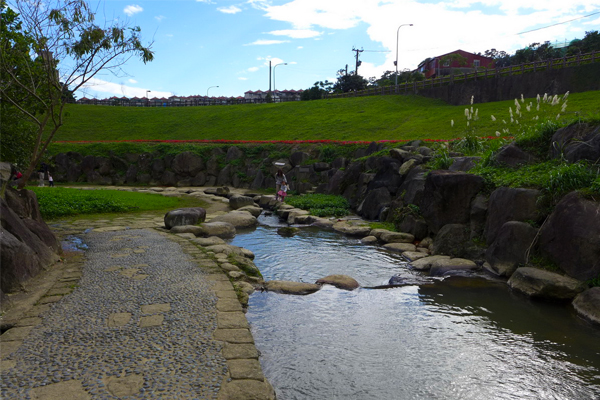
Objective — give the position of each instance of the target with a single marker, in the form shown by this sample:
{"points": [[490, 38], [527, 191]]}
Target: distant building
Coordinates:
{"points": [[277, 95], [458, 61]]}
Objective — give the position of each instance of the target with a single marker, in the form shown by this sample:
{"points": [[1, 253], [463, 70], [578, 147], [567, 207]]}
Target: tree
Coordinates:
{"points": [[18, 137], [317, 91], [389, 78], [50, 49], [349, 82]]}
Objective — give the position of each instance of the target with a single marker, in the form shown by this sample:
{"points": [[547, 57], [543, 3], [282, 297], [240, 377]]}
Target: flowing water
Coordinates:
{"points": [[460, 338]]}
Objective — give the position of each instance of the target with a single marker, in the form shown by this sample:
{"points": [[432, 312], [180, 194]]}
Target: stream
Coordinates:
{"points": [[454, 338]]}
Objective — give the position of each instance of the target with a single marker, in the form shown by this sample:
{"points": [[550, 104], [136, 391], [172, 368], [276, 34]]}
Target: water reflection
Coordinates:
{"points": [[457, 339]]}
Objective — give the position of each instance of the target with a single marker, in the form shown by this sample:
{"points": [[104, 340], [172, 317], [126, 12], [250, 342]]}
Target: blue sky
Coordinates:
{"points": [[227, 43]]}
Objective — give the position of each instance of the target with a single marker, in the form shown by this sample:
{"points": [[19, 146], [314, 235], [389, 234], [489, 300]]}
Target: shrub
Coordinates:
{"points": [[321, 205]]}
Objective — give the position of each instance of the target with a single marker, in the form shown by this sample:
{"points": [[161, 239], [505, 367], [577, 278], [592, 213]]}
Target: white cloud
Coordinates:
{"points": [[241, 78], [229, 10], [595, 22], [205, 1], [132, 80], [132, 9], [470, 25], [159, 18], [253, 69], [266, 42], [296, 33], [104, 89], [300, 47]]}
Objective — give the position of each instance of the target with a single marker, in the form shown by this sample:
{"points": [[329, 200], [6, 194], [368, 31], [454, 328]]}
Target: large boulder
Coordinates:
{"points": [[544, 284], [447, 198], [445, 266], [299, 158], [223, 230], [238, 201], [193, 229], [513, 156], [27, 244], [400, 247], [413, 186], [252, 209], [387, 175], [372, 205], [239, 219], [510, 204], [184, 216], [452, 240], [571, 236], [587, 304], [464, 163], [509, 250], [342, 179], [394, 237], [352, 228], [288, 287], [339, 281], [233, 153], [425, 263], [187, 164], [413, 225], [576, 142]]}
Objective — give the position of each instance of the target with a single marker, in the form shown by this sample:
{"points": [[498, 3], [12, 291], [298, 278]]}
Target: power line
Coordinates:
{"points": [[559, 23]]}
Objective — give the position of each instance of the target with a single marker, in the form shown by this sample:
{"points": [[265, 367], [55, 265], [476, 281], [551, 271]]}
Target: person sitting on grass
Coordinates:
{"points": [[282, 191]]}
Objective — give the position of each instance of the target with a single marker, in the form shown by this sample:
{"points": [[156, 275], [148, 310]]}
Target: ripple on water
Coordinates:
{"points": [[457, 339]]}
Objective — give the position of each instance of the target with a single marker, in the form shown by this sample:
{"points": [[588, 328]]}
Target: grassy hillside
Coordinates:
{"points": [[364, 118]]}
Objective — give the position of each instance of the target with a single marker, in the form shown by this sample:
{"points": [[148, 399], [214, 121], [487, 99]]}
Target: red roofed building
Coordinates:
{"points": [[458, 61]]}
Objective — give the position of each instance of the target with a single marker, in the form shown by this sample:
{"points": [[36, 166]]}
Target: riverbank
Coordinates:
{"points": [[138, 313]]}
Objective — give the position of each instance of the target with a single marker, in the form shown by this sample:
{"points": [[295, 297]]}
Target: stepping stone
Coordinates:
{"points": [[119, 255], [222, 285], [233, 335], [72, 390], [139, 251], [129, 272], [245, 369], [233, 351], [118, 319], [113, 268], [152, 320], [156, 308], [231, 320], [125, 386], [139, 277], [226, 294], [140, 265], [228, 305]]}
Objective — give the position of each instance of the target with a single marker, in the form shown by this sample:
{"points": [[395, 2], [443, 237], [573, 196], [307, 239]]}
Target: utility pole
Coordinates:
{"points": [[357, 62], [346, 69]]}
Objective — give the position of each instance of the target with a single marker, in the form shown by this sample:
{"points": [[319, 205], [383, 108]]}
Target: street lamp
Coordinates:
{"points": [[397, 36], [209, 89], [274, 87]]}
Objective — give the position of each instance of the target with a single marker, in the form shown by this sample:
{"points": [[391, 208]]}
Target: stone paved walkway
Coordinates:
{"points": [[145, 314]]}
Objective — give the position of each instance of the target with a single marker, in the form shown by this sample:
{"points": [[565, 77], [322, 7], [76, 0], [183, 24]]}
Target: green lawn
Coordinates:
{"points": [[363, 118], [60, 202]]}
